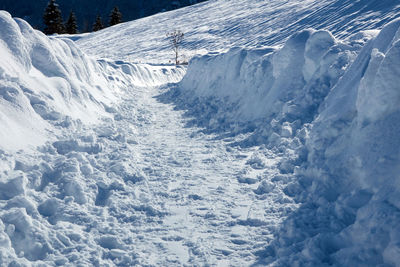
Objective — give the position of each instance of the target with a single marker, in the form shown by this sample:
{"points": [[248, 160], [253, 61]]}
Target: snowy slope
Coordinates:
{"points": [[220, 24]]}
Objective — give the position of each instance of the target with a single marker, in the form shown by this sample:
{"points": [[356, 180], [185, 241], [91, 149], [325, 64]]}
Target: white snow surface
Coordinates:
{"points": [[217, 25], [338, 108], [283, 155], [50, 80]]}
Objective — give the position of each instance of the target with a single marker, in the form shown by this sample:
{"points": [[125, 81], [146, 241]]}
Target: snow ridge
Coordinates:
{"points": [[275, 91], [335, 106], [49, 81], [351, 176], [57, 114]]}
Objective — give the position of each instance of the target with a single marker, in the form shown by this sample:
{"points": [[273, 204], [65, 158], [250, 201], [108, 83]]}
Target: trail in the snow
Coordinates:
{"points": [[144, 189], [198, 194]]}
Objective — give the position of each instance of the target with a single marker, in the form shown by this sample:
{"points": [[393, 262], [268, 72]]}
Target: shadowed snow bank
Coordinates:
{"points": [[274, 91], [337, 105], [350, 183]]}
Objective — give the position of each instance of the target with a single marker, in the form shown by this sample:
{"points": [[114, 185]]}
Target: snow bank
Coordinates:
{"points": [[278, 90], [46, 82], [350, 182], [52, 100], [337, 106]]}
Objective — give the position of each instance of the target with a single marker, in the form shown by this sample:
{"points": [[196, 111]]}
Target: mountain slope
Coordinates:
{"points": [[219, 25]]}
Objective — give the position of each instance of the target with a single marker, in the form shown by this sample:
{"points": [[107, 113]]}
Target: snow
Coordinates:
{"points": [[50, 80], [345, 101], [217, 25], [359, 163], [276, 91], [284, 152]]}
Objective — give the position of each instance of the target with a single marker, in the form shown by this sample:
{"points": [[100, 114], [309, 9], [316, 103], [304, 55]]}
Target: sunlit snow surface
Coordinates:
{"points": [[286, 155], [220, 24]]}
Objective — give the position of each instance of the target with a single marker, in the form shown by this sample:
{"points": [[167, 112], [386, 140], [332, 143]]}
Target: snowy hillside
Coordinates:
{"points": [[281, 152], [221, 24]]}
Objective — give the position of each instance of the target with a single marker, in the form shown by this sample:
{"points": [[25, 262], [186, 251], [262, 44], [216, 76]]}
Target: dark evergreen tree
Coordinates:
{"points": [[52, 19], [98, 24], [70, 26], [115, 17]]}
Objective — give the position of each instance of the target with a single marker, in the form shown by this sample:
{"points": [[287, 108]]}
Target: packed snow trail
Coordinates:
{"points": [[189, 206], [118, 177], [141, 189]]}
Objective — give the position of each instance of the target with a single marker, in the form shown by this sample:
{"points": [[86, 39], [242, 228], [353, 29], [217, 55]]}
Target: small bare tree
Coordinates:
{"points": [[176, 38]]}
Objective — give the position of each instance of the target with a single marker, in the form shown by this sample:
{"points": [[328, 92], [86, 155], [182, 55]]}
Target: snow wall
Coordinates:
{"points": [[47, 84], [337, 104]]}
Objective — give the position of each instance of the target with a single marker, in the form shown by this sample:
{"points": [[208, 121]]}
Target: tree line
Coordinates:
{"points": [[53, 20]]}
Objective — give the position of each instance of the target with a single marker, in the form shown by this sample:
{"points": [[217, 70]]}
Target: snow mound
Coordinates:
{"points": [[336, 105], [276, 91], [350, 182], [58, 116], [47, 82], [44, 80]]}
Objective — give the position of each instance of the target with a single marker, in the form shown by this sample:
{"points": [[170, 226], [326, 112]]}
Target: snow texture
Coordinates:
{"points": [[350, 182], [338, 106], [283, 155], [217, 25], [50, 80]]}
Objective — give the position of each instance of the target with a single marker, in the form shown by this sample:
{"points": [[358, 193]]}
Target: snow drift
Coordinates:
{"points": [[45, 80], [275, 90], [53, 99], [337, 103], [350, 182], [49, 81]]}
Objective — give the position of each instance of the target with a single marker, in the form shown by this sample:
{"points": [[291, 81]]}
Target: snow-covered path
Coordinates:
{"points": [[194, 196], [99, 167]]}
